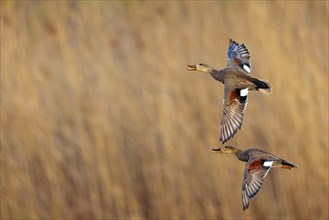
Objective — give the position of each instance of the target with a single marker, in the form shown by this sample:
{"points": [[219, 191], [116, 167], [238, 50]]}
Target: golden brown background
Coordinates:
{"points": [[100, 119]]}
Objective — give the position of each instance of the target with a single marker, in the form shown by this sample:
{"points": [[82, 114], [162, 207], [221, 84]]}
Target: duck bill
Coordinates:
{"points": [[191, 67], [216, 150]]}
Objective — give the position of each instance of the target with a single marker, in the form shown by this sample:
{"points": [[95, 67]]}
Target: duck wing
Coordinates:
{"points": [[234, 104], [238, 55], [254, 174]]}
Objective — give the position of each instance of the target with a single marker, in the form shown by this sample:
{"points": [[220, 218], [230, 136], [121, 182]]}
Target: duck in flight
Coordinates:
{"points": [[258, 164], [237, 82]]}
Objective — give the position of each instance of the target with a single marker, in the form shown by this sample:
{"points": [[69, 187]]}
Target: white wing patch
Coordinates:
{"points": [[246, 68], [267, 163], [244, 92]]}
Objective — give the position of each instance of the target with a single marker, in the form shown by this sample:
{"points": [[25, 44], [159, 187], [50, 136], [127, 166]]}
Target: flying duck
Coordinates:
{"points": [[259, 163], [237, 82]]}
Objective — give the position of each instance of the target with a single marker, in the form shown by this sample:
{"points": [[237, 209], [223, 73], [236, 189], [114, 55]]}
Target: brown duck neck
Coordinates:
{"points": [[218, 75], [241, 155]]}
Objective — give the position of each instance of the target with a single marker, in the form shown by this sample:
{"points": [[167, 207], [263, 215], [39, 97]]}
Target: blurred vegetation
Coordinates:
{"points": [[100, 119]]}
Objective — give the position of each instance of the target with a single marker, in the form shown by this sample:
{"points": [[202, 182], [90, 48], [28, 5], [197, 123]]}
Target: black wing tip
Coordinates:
{"points": [[244, 51], [244, 46], [232, 44], [233, 41], [240, 45]]}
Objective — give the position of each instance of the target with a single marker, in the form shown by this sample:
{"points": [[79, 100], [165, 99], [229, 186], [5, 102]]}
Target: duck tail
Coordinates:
{"points": [[286, 165], [263, 86]]}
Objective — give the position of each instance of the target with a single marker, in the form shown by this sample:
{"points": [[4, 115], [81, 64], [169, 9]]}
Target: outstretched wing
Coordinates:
{"points": [[254, 174], [238, 55], [234, 105]]}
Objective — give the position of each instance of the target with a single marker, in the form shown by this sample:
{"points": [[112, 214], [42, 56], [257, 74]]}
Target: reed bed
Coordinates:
{"points": [[100, 119]]}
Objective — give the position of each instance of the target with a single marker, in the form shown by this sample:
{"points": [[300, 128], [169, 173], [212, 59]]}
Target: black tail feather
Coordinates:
{"points": [[287, 164], [263, 86]]}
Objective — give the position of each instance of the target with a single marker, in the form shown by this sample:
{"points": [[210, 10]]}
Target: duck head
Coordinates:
{"points": [[226, 150], [200, 67]]}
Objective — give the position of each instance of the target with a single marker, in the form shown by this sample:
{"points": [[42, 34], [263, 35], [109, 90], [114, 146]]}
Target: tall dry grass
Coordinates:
{"points": [[100, 119]]}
